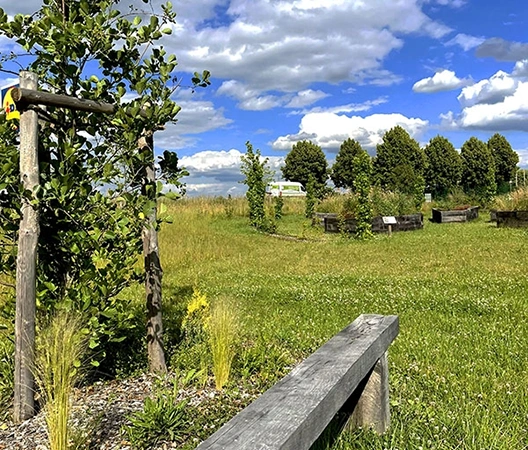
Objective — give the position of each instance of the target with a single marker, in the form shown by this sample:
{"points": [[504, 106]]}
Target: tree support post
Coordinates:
{"points": [[153, 270], [24, 404]]}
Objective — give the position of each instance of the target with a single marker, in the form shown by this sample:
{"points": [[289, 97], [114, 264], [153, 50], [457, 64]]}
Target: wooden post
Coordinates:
{"points": [[153, 270], [24, 406], [390, 230], [372, 408]]}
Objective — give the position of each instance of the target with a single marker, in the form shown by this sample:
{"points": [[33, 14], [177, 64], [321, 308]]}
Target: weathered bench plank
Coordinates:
{"points": [[295, 411]]}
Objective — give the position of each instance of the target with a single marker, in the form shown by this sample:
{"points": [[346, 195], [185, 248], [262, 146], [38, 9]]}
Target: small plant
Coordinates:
{"points": [[279, 204], [222, 329], [363, 171], [311, 197], [198, 311], [162, 418], [60, 347]]}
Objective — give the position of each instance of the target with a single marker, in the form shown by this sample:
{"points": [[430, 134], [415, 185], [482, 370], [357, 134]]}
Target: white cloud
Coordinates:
{"points": [[329, 130], [194, 118], [445, 80], [502, 50], [285, 46], [497, 104], [509, 114], [218, 172], [521, 69], [466, 41], [305, 98], [348, 108], [493, 90]]}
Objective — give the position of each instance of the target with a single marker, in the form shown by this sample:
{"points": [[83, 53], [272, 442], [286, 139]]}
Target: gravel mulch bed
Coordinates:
{"points": [[102, 409]]}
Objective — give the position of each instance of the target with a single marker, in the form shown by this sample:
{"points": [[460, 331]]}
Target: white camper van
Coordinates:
{"points": [[285, 189]]}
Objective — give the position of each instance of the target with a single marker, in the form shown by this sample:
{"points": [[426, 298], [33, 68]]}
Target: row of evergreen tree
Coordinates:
{"points": [[400, 164]]}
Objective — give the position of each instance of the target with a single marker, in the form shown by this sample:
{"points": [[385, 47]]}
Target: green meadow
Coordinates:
{"points": [[459, 367]]}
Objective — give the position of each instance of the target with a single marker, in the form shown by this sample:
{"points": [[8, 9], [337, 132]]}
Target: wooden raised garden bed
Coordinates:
{"points": [[407, 222], [455, 215], [515, 219]]}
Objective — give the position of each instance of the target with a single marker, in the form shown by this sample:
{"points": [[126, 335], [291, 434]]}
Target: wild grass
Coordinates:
{"points": [[222, 331], [458, 369], [513, 201], [60, 347]]}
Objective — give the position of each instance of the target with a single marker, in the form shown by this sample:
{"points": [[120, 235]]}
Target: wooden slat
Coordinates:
{"points": [[293, 413]]}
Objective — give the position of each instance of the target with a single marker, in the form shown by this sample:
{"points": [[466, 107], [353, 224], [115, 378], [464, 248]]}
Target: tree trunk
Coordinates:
{"points": [[24, 405], [153, 270]]}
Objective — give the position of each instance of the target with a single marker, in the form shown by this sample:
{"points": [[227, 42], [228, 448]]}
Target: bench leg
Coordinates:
{"points": [[372, 407]]}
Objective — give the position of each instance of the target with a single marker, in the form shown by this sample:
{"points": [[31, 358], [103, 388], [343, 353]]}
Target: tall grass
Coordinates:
{"points": [[222, 330], [514, 201], [60, 347]]}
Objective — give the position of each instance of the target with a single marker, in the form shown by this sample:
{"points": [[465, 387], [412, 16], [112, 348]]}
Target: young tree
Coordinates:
{"points": [[255, 169], [90, 203], [478, 169], [362, 166], [305, 159], [343, 174], [444, 169], [399, 162], [506, 160]]}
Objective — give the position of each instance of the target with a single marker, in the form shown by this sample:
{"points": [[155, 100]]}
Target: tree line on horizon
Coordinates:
{"points": [[401, 165]]}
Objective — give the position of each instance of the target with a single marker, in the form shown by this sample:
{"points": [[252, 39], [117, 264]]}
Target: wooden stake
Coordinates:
{"points": [[24, 405], [153, 270]]}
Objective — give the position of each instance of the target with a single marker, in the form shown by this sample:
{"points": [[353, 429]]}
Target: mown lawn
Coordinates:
{"points": [[458, 369]]}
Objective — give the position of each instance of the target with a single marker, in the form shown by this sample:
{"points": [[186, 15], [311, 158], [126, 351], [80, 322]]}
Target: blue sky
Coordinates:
{"points": [[326, 70]]}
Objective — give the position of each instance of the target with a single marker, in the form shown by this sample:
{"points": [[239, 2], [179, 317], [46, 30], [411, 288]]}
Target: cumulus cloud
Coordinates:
{"points": [[445, 80], [465, 41], [287, 45], [329, 130], [195, 117], [521, 69], [499, 103], [502, 50], [491, 91], [218, 172]]}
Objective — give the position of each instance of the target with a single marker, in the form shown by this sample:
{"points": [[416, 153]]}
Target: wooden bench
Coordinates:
{"points": [[349, 373]]}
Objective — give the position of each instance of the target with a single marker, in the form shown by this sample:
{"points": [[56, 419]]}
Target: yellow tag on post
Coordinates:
{"points": [[10, 106]]}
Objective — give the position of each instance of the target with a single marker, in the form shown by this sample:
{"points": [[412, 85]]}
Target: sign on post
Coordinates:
{"points": [[8, 103], [390, 221]]}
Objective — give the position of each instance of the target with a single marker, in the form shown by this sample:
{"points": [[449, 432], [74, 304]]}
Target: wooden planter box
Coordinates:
{"points": [[515, 219], [407, 222], [455, 215], [493, 215]]}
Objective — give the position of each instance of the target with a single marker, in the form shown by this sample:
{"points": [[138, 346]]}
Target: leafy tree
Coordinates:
{"points": [[305, 159], [444, 169], [343, 174], [399, 162], [257, 174], [478, 169], [362, 167], [91, 206], [505, 158]]}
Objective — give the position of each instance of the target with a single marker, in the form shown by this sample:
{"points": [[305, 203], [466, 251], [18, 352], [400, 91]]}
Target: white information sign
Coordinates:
{"points": [[389, 220]]}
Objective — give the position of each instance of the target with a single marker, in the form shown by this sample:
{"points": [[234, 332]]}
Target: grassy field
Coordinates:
{"points": [[458, 369]]}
